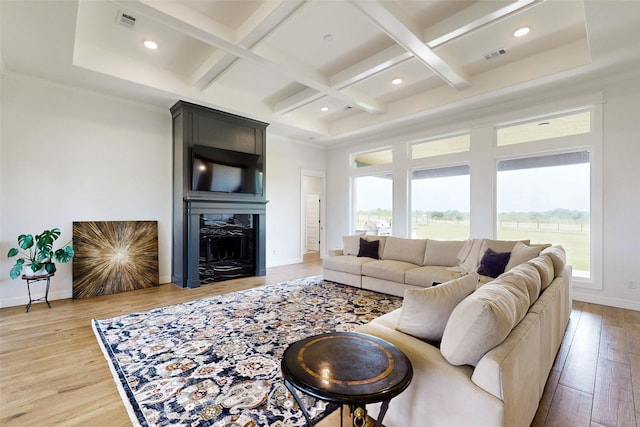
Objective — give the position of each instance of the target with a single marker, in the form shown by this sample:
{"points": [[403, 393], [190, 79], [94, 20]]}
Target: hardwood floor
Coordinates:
{"points": [[52, 371]]}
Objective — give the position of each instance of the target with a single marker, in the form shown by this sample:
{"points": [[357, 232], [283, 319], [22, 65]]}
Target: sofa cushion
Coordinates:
{"points": [[544, 265], [351, 245], [440, 252], [381, 239], [522, 253], [407, 250], [369, 248], [493, 263], [484, 319], [558, 257], [500, 245], [531, 278], [345, 263], [428, 275], [425, 312], [387, 269]]}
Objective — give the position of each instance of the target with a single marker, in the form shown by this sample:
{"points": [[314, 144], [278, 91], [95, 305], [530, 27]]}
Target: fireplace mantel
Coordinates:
{"points": [[197, 125]]}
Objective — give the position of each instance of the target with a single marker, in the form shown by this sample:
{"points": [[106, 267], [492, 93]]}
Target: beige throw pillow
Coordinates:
{"points": [[425, 311], [484, 319], [522, 253]]}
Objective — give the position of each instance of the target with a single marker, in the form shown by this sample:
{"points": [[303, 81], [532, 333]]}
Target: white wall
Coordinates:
{"points": [[285, 161], [69, 155], [621, 176]]}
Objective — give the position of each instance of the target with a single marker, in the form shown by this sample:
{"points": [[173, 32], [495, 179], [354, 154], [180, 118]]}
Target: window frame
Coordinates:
{"points": [[591, 142]]}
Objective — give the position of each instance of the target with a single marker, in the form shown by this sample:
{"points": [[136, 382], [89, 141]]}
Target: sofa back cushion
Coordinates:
{"points": [[558, 257], [407, 250], [442, 253], [544, 265], [351, 244], [425, 311], [531, 278], [484, 319]]}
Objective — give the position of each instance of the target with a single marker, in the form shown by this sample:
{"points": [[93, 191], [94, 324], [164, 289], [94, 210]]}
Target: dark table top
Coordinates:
{"points": [[347, 367]]}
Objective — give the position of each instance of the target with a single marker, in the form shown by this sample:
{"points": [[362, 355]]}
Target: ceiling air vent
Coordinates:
{"points": [[494, 54], [126, 20]]}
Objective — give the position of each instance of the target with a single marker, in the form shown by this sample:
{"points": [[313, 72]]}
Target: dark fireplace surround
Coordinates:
{"points": [[216, 235]]}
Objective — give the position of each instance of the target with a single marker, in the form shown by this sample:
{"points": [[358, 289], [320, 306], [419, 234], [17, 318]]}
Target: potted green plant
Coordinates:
{"points": [[38, 254]]}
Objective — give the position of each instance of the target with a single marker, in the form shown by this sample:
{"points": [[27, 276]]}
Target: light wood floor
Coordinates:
{"points": [[52, 371]]}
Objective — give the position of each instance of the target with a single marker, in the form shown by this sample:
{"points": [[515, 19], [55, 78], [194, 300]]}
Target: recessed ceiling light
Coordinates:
{"points": [[324, 108], [521, 32], [396, 81], [150, 44]]}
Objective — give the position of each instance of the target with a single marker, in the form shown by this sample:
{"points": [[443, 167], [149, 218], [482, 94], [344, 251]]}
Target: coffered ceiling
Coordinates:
{"points": [[318, 69]]}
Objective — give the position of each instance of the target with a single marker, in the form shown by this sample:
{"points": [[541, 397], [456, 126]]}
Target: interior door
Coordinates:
{"points": [[312, 221]]}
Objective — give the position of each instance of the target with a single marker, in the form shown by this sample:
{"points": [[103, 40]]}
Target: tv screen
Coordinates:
{"points": [[225, 171]]}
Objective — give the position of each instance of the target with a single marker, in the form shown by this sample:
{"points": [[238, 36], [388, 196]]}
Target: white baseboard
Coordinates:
{"points": [[602, 300]]}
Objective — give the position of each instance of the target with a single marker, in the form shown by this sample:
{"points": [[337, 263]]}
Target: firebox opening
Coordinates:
{"points": [[227, 247]]}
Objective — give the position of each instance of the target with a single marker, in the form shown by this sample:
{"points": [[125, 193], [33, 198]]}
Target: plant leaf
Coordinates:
{"points": [[25, 241], [13, 252], [64, 255], [16, 270], [50, 267]]}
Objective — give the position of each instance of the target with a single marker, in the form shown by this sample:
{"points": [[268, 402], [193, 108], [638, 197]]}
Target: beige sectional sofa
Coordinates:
{"points": [[481, 347]]}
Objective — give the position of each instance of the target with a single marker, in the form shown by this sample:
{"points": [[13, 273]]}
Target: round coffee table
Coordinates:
{"points": [[347, 368]]}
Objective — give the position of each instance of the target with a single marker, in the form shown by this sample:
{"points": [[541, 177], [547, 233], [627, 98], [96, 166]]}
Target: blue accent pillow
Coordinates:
{"points": [[493, 263], [369, 249]]}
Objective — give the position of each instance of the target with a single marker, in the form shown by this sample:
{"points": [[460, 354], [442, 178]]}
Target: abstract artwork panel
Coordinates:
{"points": [[114, 256]]}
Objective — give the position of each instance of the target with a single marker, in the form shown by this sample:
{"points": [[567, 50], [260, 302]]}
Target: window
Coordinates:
{"points": [[547, 199], [381, 157], [373, 204], [540, 129], [440, 203], [455, 144]]}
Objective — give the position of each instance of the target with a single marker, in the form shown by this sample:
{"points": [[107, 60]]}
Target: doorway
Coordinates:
{"points": [[312, 215]]}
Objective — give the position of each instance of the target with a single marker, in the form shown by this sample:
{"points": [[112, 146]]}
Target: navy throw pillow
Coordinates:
{"points": [[369, 249], [493, 263]]}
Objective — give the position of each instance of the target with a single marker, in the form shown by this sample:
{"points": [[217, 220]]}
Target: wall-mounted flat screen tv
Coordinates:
{"points": [[226, 171]]}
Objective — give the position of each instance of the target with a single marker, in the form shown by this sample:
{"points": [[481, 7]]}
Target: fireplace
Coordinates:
{"points": [[219, 188], [227, 247], [223, 240]]}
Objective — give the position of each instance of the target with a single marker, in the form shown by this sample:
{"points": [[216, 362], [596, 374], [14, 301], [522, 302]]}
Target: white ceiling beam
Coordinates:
{"points": [[365, 102], [259, 25], [403, 31], [471, 18], [300, 99], [212, 69], [370, 66], [269, 16]]}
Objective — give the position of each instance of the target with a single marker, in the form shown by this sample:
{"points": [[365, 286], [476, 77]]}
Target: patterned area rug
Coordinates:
{"points": [[216, 361]]}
